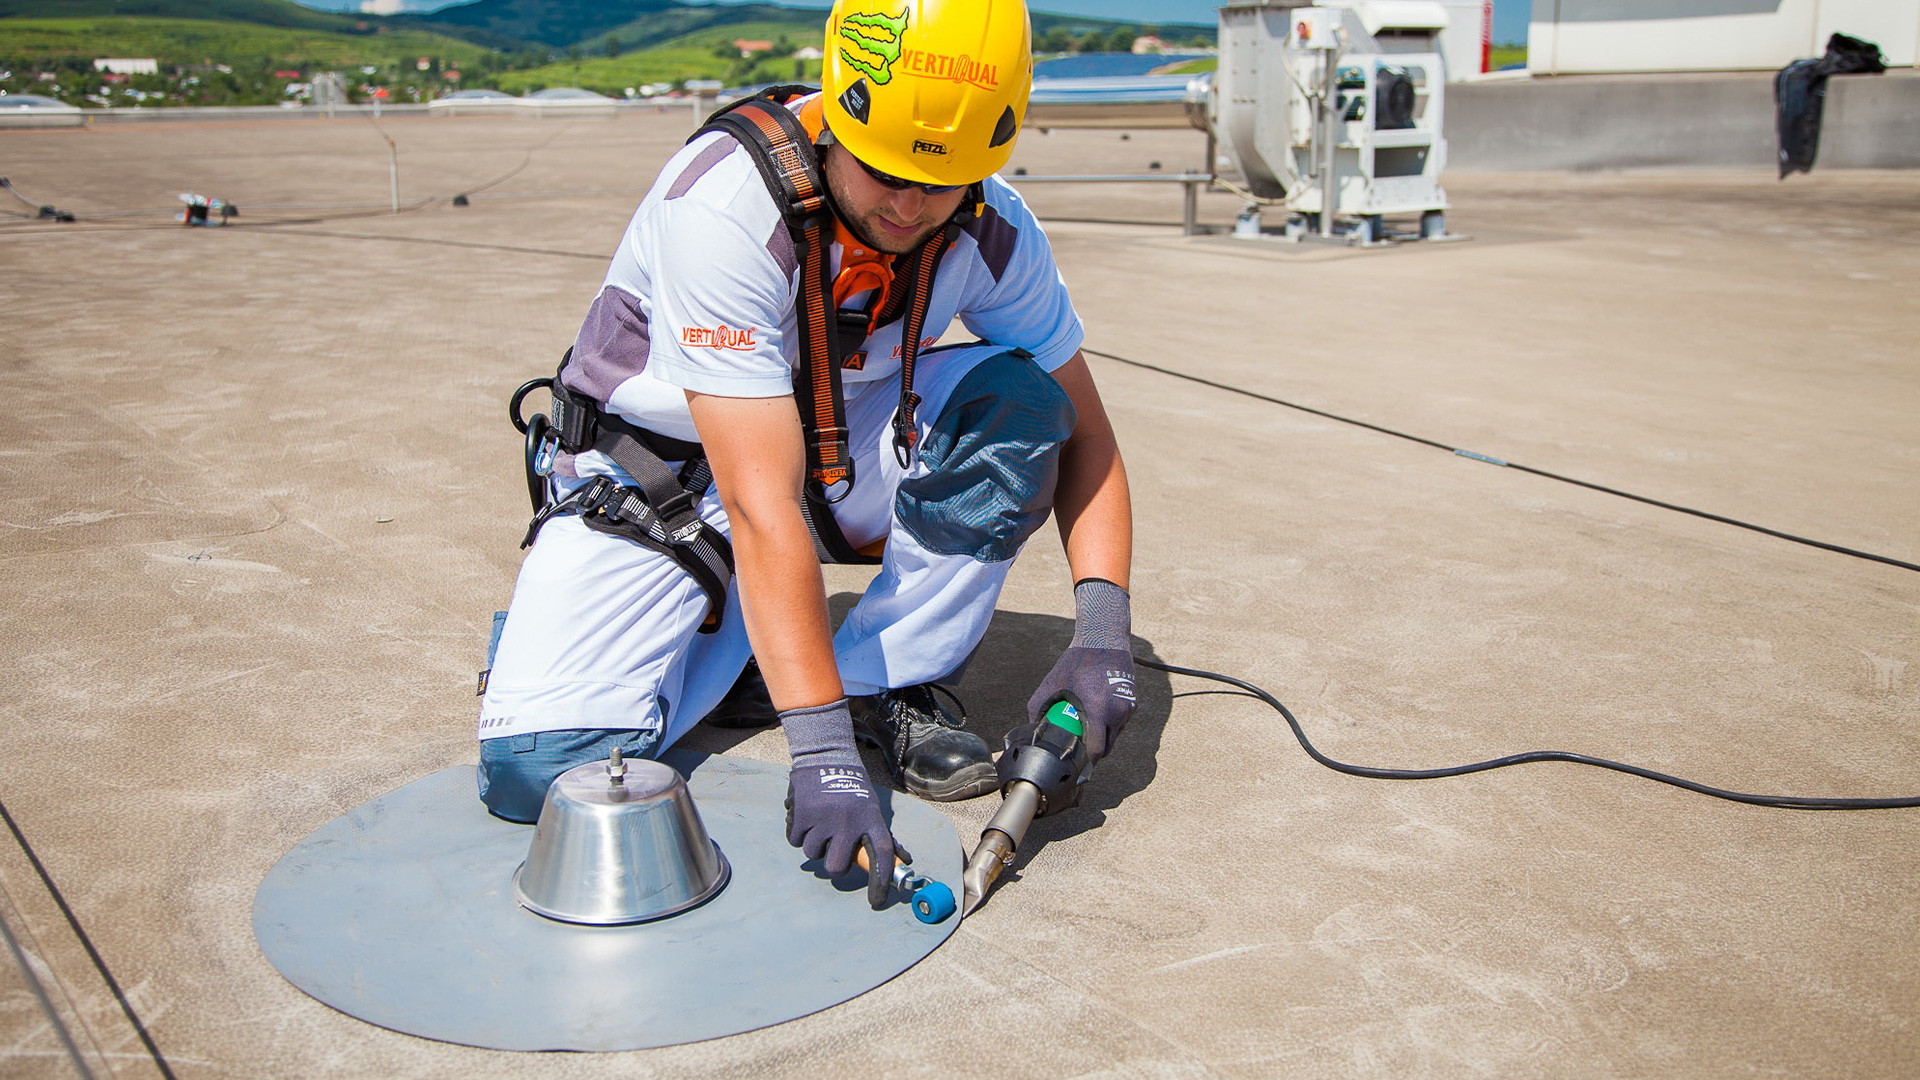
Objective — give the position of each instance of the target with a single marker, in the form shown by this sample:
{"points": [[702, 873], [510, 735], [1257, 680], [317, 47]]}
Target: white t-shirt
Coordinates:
{"points": [[701, 294]]}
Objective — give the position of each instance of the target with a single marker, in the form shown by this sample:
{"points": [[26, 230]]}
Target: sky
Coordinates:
{"points": [[1509, 16]]}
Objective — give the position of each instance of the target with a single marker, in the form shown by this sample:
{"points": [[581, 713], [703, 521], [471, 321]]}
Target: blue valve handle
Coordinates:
{"points": [[931, 900]]}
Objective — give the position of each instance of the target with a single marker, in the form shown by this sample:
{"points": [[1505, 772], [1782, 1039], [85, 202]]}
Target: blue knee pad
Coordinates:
{"points": [[516, 770], [993, 458]]}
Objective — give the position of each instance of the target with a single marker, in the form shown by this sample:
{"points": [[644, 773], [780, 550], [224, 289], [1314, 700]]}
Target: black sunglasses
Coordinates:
{"points": [[894, 183]]}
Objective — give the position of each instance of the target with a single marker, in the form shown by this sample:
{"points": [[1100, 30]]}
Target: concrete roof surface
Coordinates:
{"points": [[260, 498]]}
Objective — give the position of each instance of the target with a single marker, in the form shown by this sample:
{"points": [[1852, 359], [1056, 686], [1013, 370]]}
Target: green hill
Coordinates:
{"points": [[703, 54], [753, 21], [203, 41], [609, 45], [259, 13], [256, 12], [641, 23], [644, 51], [554, 23]]}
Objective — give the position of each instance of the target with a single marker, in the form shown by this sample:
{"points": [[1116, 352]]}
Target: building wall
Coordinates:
{"points": [[1569, 37], [128, 66], [1722, 120], [1461, 42]]}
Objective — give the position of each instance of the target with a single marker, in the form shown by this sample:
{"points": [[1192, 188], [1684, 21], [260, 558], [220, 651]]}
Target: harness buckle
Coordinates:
{"points": [[835, 455], [811, 212], [583, 499], [906, 436], [830, 446], [593, 498], [675, 505]]}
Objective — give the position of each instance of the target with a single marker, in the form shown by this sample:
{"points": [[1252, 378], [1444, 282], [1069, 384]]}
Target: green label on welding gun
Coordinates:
{"points": [[1062, 714]]}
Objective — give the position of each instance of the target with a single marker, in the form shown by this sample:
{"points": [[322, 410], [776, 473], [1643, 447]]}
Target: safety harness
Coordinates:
{"points": [[661, 512]]}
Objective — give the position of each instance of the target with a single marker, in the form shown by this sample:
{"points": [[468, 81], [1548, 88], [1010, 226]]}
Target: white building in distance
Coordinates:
{"points": [[126, 66], [1568, 37]]}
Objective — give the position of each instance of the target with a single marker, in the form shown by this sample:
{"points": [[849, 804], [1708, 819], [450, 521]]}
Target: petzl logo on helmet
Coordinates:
{"points": [[922, 146], [870, 44], [718, 337]]}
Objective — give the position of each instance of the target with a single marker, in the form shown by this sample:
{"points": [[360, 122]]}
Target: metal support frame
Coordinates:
{"points": [[1193, 182]]}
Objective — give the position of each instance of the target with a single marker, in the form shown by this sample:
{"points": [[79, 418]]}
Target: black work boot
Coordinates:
{"points": [[747, 704], [927, 750]]}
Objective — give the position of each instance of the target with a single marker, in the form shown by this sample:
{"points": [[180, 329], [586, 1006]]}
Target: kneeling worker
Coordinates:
{"points": [[756, 390]]}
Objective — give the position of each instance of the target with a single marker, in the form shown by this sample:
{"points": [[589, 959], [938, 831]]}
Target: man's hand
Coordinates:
{"points": [[831, 808], [1096, 671], [1099, 683]]}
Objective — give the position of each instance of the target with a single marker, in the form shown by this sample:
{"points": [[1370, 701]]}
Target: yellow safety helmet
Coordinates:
{"points": [[931, 91]]}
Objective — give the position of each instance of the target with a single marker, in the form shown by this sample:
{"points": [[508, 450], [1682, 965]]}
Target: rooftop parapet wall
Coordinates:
{"points": [[1569, 37], [1675, 120]]}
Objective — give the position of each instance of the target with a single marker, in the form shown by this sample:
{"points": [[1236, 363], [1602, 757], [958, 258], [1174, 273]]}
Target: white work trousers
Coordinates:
{"points": [[602, 633]]}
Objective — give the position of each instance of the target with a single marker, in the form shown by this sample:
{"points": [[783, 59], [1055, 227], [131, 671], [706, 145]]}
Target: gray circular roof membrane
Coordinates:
{"points": [[401, 913]]}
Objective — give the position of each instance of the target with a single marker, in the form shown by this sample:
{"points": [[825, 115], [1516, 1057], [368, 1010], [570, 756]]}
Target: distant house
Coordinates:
{"points": [[811, 52], [286, 74], [1148, 44], [127, 66], [748, 48]]}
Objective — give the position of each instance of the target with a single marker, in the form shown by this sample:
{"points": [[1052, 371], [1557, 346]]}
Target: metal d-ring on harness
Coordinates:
{"points": [[785, 153], [660, 511]]}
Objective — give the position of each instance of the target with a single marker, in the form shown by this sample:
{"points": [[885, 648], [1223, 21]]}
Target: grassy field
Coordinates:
{"points": [[1507, 54], [198, 41], [1190, 67], [692, 56]]}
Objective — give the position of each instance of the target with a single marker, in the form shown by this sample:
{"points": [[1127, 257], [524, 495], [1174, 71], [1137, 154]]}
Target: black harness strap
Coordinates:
{"points": [[783, 152], [660, 511], [789, 164], [920, 268]]}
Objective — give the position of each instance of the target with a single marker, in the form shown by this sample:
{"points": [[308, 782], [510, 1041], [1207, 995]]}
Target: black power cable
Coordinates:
{"points": [[459, 199], [43, 212], [86, 942], [1783, 802], [1230, 388]]}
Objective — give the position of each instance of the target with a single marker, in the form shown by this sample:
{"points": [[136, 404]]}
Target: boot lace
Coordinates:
{"points": [[914, 706]]}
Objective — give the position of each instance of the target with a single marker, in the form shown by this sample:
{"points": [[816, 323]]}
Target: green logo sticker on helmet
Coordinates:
{"points": [[870, 44]]}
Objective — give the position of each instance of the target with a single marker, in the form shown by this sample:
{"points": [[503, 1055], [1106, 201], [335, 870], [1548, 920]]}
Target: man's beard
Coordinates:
{"points": [[879, 243]]}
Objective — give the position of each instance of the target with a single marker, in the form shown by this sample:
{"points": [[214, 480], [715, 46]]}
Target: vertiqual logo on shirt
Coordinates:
{"points": [[719, 337]]}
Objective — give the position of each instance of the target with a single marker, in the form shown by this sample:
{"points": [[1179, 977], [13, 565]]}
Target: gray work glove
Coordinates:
{"points": [[1096, 671], [831, 808]]}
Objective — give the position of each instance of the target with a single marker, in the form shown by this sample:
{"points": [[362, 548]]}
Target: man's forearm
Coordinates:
{"points": [[1091, 503], [1095, 512], [754, 447], [784, 600]]}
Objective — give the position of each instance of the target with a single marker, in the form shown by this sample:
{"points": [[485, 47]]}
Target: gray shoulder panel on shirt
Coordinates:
{"points": [[612, 346], [996, 237], [705, 160], [780, 246]]}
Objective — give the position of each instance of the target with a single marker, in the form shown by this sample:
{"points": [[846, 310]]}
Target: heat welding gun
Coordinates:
{"points": [[1042, 770]]}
